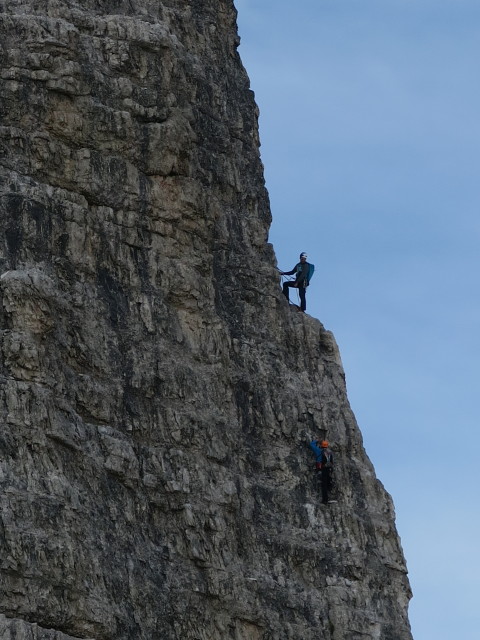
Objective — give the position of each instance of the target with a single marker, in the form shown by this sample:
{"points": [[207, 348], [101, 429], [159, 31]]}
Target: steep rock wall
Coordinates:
{"points": [[155, 389]]}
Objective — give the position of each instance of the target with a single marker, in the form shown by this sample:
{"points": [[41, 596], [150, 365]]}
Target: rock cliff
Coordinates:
{"points": [[156, 391]]}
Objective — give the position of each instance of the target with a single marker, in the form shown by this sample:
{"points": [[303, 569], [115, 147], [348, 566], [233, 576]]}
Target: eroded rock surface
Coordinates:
{"points": [[155, 389]]}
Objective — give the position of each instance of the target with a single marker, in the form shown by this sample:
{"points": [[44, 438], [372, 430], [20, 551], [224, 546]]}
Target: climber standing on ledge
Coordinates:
{"points": [[303, 272], [324, 465]]}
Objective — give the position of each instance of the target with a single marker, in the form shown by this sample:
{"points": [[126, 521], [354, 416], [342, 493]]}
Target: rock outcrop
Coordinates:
{"points": [[156, 391]]}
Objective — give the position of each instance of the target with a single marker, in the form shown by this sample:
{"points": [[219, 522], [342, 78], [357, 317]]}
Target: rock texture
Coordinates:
{"points": [[155, 389]]}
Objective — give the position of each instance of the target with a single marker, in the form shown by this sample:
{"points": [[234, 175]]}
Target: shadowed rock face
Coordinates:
{"points": [[156, 391]]}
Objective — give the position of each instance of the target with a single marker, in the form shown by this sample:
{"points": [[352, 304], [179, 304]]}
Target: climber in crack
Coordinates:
{"points": [[324, 466], [303, 271]]}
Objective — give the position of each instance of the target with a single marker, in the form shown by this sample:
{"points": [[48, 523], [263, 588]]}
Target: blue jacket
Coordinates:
{"points": [[319, 453]]}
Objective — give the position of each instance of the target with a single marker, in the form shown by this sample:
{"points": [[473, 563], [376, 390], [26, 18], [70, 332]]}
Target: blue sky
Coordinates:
{"points": [[370, 130]]}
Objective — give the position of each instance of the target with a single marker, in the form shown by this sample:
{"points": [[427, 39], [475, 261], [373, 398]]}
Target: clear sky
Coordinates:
{"points": [[370, 130]]}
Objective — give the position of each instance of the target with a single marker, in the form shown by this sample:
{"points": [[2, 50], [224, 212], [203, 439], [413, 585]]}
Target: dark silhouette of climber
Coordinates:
{"points": [[303, 271], [324, 465]]}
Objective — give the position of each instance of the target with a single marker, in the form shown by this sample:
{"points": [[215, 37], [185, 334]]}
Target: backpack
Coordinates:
{"points": [[327, 460], [310, 272]]}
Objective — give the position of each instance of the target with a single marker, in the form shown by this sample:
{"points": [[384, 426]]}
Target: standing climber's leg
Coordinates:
{"points": [[303, 303], [286, 286]]}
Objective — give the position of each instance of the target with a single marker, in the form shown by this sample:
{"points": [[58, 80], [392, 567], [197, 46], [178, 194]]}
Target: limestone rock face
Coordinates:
{"points": [[156, 391]]}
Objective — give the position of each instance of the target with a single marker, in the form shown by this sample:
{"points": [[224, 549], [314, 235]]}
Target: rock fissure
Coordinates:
{"points": [[15, 628]]}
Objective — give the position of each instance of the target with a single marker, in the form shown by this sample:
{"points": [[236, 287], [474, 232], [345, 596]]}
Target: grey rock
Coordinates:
{"points": [[155, 388]]}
